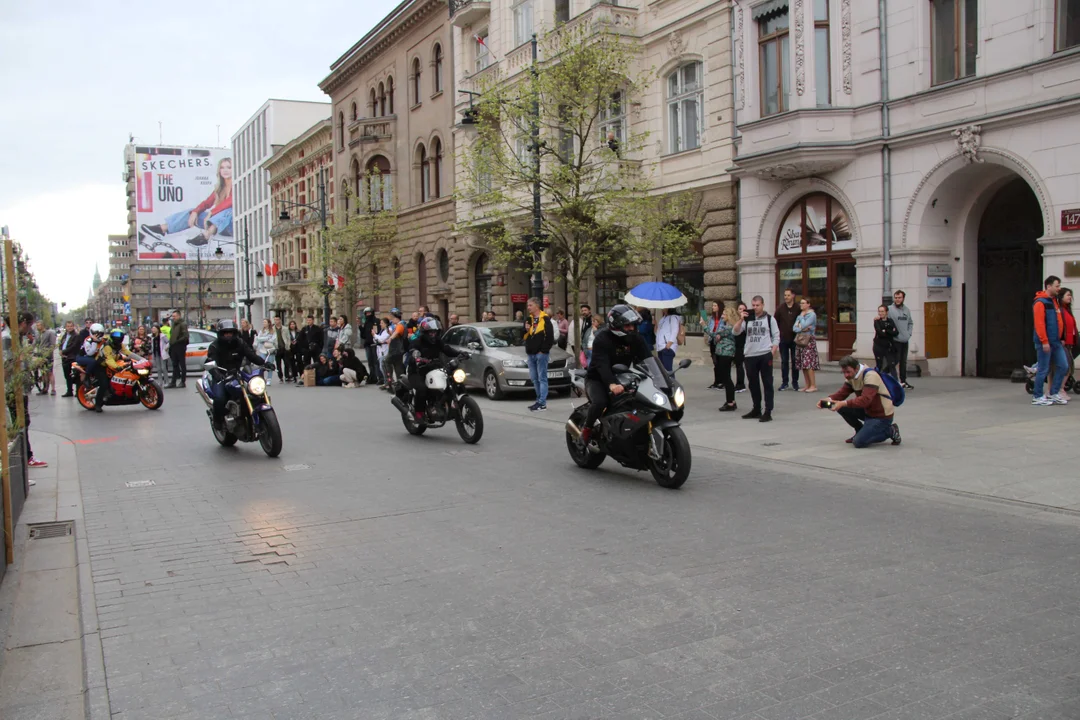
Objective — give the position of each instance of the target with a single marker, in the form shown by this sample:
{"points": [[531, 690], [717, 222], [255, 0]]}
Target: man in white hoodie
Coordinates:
{"points": [[762, 341]]}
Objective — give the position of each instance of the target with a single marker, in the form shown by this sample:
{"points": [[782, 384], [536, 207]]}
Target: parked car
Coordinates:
{"points": [[198, 343], [498, 362]]}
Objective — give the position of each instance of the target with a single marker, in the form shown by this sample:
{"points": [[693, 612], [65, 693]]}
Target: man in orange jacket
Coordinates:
{"points": [[1049, 348]]}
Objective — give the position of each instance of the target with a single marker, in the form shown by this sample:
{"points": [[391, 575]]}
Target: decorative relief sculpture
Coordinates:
{"points": [[968, 140], [800, 48], [845, 43]]}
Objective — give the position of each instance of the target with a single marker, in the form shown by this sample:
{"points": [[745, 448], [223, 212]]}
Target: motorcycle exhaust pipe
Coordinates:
{"points": [[399, 404], [573, 429], [202, 392]]}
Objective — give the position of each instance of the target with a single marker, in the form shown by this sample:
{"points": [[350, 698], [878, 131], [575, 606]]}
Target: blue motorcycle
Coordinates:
{"points": [[249, 416]]}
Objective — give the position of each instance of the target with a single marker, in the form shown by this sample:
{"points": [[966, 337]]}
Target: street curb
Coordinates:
{"points": [[70, 507]]}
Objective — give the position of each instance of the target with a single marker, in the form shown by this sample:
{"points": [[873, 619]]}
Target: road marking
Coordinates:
{"points": [[140, 483], [290, 468], [92, 441]]}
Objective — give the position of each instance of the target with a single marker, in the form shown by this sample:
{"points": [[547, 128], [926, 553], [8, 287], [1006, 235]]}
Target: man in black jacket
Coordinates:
{"points": [[229, 353], [369, 325], [618, 343], [426, 351], [539, 337], [312, 340], [70, 344]]}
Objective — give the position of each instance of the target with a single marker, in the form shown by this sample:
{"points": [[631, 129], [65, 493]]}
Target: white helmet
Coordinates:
{"points": [[97, 329]]}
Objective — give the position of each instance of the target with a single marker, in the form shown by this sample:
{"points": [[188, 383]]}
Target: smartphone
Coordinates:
{"points": [[826, 404]]}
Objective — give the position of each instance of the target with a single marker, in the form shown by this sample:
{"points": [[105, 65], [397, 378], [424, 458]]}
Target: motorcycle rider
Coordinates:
{"points": [[230, 353], [111, 358], [90, 364], [426, 351], [617, 343]]}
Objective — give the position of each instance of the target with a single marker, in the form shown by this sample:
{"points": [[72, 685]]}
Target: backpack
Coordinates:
{"points": [[896, 390]]}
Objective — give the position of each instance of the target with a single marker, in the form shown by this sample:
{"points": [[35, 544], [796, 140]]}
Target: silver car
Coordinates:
{"points": [[198, 343], [498, 360]]}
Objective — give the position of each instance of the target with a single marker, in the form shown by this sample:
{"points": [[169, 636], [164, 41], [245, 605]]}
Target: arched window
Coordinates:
{"points": [[421, 280], [416, 81], [482, 281], [813, 253], [443, 259], [341, 130], [354, 115], [345, 197], [375, 286], [396, 267], [437, 63], [436, 168], [685, 91], [374, 104], [358, 180], [390, 95], [422, 165], [382, 100], [380, 184]]}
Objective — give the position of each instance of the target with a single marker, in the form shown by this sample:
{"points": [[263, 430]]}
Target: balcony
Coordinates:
{"points": [[603, 16], [291, 276], [464, 13], [371, 130]]}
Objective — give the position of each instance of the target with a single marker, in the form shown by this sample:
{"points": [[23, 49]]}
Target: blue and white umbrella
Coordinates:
{"points": [[656, 295]]}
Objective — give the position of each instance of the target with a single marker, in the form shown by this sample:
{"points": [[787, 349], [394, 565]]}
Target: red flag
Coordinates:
{"points": [[274, 267], [268, 271]]}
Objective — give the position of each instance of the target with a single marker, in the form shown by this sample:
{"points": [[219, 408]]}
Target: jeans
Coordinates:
{"points": [[900, 354], [667, 359], [759, 375], [538, 365], [374, 371], [1056, 358], [787, 355], [270, 373], [330, 380], [223, 221], [588, 357], [159, 368], [867, 430]]}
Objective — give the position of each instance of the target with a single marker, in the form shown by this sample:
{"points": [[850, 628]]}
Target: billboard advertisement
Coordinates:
{"points": [[183, 202]]}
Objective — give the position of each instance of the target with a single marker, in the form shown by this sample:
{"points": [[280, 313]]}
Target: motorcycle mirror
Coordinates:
{"points": [[684, 364], [620, 368], [209, 365]]}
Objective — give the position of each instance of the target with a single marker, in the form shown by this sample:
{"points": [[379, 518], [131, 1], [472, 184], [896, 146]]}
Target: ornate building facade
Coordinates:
{"points": [[931, 150]]}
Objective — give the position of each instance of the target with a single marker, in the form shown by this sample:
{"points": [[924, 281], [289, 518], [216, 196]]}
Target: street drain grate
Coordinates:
{"points": [[140, 483], [41, 531], [770, 444]]}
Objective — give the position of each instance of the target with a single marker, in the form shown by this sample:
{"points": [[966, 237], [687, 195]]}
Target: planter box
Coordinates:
{"points": [[20, 477]]}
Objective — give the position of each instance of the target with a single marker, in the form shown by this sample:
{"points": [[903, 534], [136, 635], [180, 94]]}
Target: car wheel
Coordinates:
{"points": [[491, 385]]}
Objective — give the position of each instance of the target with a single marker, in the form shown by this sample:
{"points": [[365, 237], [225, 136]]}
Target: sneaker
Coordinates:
{"points": [[68, 394], [795, 387], [783, 387], [908, 387], [34, 462], [729, 408], [532, 408], [31, 483], [1042, 401], [540, 408], [766, 417], [154, 232], [850, 440], [740, 388], [895, 434], [752, 415], [1059, 399]]}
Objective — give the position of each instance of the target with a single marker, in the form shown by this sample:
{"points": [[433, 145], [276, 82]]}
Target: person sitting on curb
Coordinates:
{"points": [[871, 411]]}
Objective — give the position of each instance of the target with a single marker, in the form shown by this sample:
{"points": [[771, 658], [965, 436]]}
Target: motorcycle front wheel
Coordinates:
{"points": [[86, 396], [671, 470], [270, 433], [151, 396], [470, 423], [223, 436]]}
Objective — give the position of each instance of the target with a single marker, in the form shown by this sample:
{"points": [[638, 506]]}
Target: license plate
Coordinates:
{"points": [[554, 373]]}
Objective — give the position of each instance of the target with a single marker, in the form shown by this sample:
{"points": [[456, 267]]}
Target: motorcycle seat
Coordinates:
{"points": [[579, 374]]}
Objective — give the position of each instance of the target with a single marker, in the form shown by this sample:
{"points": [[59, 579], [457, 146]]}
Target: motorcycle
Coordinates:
{"points": [[130, 385], [447, 401], [640, 428], [248, 413]]}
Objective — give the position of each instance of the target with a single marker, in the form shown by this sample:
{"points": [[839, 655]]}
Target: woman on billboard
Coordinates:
{"points": [[213, 216]]}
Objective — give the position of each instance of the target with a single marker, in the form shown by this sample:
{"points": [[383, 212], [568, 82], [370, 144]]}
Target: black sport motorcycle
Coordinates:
{"points": [[640, 428], [249, 416], [447, 401]]}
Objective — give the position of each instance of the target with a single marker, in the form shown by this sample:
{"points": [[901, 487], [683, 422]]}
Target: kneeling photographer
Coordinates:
{"points": [[871, 410]]}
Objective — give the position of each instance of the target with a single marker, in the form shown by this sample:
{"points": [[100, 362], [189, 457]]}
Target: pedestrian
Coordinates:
{"points": [[711, 327], [369, 328], [178, 342], [45, 349], [353, 372], [585, 325], [396, 347], [453, 320], [266, 345], [740, 352], [1069, 340], [597, 326], [69, 348], [282, 357], [724, 353], [539, 338], [885, 333], [296, 351], [762, 341], [26, 321], [313, 339], [902, 318], [382, 345], [247, 333], [140, 342], [670, 333], [327, 372], [806, 352], [330, 337], [646, 328], [159, 350], [563, 326], [871, 412], [786, 314], [1049, 342]]}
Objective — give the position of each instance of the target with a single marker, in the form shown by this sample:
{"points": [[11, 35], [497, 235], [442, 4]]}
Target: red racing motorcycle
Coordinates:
{"points": [[130, 385]]}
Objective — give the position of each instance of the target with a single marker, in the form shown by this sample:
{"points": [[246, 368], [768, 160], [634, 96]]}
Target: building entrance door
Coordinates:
{"points": [[1010, 273]]}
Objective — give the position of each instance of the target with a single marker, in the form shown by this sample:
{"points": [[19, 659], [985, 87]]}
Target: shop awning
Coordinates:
{"points": [[769, 8]]}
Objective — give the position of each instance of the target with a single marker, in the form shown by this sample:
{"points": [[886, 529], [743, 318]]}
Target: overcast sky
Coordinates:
{"points": [[79, 76]]}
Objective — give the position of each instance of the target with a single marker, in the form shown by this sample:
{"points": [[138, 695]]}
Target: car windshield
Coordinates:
{"points": [[659, 377], [500, 337]]}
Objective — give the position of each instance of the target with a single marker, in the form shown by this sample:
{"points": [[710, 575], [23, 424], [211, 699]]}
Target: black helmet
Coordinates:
{"points": [[623, 319], [229, 327], [116, 338]]}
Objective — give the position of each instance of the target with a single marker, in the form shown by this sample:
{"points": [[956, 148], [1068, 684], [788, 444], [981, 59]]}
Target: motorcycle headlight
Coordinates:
{"points": [[459, 376], [680, 397], [515, 363], [256, 386], [660, 399], [144, 371]]}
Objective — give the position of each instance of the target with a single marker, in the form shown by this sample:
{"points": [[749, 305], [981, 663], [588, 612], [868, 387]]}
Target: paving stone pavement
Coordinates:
{"points": [[370, 574]]}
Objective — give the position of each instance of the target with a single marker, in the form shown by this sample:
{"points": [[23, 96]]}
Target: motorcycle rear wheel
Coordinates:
{"points": [[223, 436], [578, 452], [152, 396], [414, 427], [672, 470], [270, 436], [470, 423]]}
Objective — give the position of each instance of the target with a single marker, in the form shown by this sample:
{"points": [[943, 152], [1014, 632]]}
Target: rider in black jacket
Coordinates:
{"points": [[427, 351], [617, 344], [230, 353]]}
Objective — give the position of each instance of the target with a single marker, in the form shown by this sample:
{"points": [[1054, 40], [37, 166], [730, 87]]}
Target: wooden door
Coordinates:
{"points": [[842, 306]]}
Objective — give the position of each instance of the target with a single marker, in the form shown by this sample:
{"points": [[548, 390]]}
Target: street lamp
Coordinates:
{"points": [[248, 302], [321, 209]]}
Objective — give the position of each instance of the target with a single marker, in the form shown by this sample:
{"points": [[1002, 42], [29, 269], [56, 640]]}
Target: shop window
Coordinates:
{"points": [[610, 288], [689, 276], [774, 52], [953, 39], [482, 284], [1067, 24]]}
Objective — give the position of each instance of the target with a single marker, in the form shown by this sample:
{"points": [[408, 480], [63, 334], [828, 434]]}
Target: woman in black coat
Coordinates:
{"points": [[884, 332]]}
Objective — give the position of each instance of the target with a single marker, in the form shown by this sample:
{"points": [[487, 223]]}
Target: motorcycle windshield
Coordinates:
{"points": [[656, 373]]}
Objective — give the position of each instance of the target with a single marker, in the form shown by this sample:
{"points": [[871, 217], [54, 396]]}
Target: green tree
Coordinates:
{"points": [[567, 125]]}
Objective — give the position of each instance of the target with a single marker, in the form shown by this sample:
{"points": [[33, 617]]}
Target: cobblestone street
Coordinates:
{"points": [[370, 574]]}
